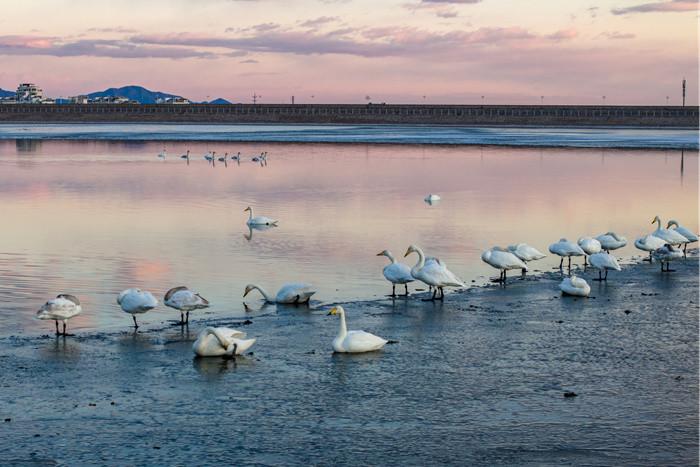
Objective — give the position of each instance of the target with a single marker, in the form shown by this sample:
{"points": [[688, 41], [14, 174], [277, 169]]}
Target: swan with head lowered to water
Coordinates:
{"points": [[433, 273], [354, 341], [289, 294], [687, 233], [258, 220], [221, 342], [396, 273]]}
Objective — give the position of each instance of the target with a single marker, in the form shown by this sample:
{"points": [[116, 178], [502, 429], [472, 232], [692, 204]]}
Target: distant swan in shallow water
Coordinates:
{"points": [[432, 198], [292, 293], [433, 273], [184, 300], [575, 286], [258, 220], [162, 155], [61, 308], [692, 237], [136, 301], [354, 341], [666, 254], [502, 260], [396, 273], [604, 262], [221, 342]]}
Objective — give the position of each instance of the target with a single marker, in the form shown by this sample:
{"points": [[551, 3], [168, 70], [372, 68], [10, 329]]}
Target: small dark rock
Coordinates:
{"points": [[37, 435], [311, 352], [8, 420], [392, 342], [112, 403], [627, 312], [678, 378], [156, 447], [570, 394], [92, 404], [251, 354], [559, 321], [246, 322]]}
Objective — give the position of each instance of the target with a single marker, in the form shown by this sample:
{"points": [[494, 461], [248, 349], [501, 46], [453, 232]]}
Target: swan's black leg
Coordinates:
{"points": [[406, 294], [523, 272], [561, 263], [187, 319], [606, 275], [393, 290], [57, 333], [64, 328], [569, 265], [136, 325]]}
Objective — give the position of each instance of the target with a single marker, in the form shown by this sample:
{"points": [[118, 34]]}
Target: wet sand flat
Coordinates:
{"points": [[477, 380]]}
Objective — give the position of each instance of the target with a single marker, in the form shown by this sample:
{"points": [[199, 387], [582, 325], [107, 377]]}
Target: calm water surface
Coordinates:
{"points": [[95, 217]]}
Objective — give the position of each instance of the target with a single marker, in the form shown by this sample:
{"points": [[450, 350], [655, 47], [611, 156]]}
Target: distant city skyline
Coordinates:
{"points": [[404, 51]]}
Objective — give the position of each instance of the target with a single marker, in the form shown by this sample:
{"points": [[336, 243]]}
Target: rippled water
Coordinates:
{"points": [[94, 217]]}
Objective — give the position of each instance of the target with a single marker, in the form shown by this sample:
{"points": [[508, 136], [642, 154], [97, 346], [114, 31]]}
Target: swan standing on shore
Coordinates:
{"points": [[611, 241], [666, 254], [649, 243], [526, 253], [258, 220], [503, 260], [184, 300], [136, 301], [671, 237], [590, 246], [292, 293], [692, 237], [575, 286], [61, 308], [354, 341], [396, 273], [221, 342], [565, 249], [603, 262], [433, 273]]}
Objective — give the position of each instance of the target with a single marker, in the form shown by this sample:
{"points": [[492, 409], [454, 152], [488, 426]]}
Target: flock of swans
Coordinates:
{"points": [[211, 157], [663, 245]]}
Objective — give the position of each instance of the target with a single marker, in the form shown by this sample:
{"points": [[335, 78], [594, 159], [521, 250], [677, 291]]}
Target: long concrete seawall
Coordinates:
{"points": [[546, 115]]}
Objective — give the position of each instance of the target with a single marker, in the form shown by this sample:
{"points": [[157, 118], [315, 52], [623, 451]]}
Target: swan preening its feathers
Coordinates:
{"points": [[433, 272], [61, 308], [354, 341], [221, 342], [396, 273], [292, 293], [136, 301], [575, 286], [184, 300], [502, 260], [258, 220]]}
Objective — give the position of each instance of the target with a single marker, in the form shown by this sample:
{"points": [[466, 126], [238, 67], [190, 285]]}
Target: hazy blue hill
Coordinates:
{"points": [[219, 101], [137, 93], [4, 93]]}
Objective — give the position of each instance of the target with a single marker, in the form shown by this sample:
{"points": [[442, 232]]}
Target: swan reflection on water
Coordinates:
{"points": [[261, 228]]}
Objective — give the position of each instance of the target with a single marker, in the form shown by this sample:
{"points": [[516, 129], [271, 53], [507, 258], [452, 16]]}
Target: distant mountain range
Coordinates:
{"points": [[4, 93], [217, 101]]}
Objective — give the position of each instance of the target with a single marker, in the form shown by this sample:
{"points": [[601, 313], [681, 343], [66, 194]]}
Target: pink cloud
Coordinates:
{"points": [[664, 7]]}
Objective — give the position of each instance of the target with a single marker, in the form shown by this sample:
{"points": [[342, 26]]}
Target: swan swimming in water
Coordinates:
{"points": [[603, 262], [590, 246], [669, 236], [162, 155], [258, 220], [565, 249], [221, 342], [526, 253], [354, 341], [433, 273], [692, 237], [502, 260], [611, 241], [61, 308], [666, 254], [575, 286], [396, 273], [292, 293], [649, 243], [136, 301], [184, 300], [432, 198]]}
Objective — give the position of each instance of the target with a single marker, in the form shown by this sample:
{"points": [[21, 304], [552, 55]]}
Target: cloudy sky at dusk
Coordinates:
{"points": [[450, 51]]}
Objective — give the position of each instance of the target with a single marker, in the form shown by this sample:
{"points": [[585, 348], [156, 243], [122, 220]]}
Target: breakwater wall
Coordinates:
{"points": [[545, 115]]}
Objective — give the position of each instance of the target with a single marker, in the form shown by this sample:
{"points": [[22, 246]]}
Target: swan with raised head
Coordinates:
{"points": [[503, 260], [666, 254], [292, 293], [162, 155], [221, 342], [575, 286], [396, 273], [186, 155], [671, 237], [603, 262], [258, 220], [565, 249], [237, 157], [433, 273], [687, 233], [611, 241], [649, 243], [526, 253], [210, 156], [136, 301], [184, 300], [354, 341], [590, 246], [62, 308]]}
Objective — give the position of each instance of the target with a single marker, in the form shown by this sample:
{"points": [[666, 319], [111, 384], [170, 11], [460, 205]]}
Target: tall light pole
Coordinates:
{"points": [[603, 100], [683, 92], [542, 100], [666, 100], [482, 100]]}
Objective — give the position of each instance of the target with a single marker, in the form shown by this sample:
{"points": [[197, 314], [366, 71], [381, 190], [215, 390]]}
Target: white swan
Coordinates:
{"points": [[502, 260], [433, 273], [431, 198], [136, 301], [292, 293], [575, 286], [666, 254], [396, 273], [354, 341], [258, 220], [649, 243], [221, 342], [590, 246], [669, 236], [186, 155], [61, 308], [692, 237], [162, 155], [611, 241], [237, 157], [565, 249], [184, 300], [603, 262], [526, 253]]}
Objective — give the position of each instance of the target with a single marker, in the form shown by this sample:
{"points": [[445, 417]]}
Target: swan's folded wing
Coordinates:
{"points": [[231, 333], [361, 341], [441, 274]]}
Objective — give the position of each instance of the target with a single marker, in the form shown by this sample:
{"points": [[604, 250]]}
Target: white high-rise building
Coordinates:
{"points": [[29, 93]]}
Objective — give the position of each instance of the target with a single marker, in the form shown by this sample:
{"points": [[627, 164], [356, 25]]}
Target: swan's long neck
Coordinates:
{"points": [[421, 259], [219, 336], [658, 221], [250, 213], [343, 327], [390, 256], [264, 293]]}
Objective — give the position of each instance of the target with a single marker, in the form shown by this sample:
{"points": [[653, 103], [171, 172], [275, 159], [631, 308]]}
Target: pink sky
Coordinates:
{"points": [[432, 51]]}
